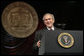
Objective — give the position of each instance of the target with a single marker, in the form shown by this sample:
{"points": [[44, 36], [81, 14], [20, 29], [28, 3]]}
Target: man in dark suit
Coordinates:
{"points": [[48, 20]]}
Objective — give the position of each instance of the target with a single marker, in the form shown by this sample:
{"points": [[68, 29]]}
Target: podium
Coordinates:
{"points": [[50, 45]]}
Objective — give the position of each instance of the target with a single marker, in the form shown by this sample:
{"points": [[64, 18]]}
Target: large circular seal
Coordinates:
{"points": [[19, 19], [66, 40]]}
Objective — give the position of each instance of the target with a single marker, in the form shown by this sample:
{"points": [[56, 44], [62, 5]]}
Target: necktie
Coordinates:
{"points": [[51, 29]]}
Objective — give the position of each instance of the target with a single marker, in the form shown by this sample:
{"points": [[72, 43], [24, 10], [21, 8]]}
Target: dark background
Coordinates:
{"points": [[69, 12]]}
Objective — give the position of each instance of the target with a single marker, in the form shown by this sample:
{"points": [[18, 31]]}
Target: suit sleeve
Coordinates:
{"points": [[37, 38]]}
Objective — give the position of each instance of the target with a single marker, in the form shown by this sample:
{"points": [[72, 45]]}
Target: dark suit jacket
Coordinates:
{"points": [[38, 36]]}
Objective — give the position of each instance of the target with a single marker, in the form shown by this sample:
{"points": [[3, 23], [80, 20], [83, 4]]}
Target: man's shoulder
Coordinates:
{"points": [[44, 29], [41, 30], [58, 28]]}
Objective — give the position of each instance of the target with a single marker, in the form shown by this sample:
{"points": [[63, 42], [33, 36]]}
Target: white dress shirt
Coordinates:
{"points": [[51, 28]]}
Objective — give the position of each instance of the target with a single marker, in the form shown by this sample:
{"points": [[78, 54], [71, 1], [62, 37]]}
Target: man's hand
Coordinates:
{"points": [[39, 43]]}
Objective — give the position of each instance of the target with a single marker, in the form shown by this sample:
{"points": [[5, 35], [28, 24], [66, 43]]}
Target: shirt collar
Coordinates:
{"points": [[51, 28]]}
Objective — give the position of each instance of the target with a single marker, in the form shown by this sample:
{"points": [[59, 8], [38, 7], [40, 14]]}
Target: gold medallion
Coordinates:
{"points": [[66, 40], [19, 19]]}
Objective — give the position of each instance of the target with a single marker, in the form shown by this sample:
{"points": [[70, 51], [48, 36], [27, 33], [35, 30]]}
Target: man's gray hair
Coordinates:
{"points": [[49, 14]]}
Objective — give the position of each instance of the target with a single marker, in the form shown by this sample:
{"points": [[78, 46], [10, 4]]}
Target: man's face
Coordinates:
{"points": [[48, 20]]}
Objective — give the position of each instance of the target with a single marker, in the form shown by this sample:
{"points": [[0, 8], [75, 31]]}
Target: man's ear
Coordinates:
{"points": [[53, 21]]}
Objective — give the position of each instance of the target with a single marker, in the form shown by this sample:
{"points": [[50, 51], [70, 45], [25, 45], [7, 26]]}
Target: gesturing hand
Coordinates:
{"points": [[39, 43]]}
